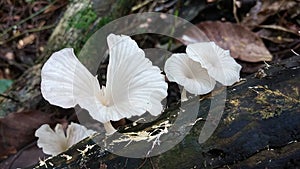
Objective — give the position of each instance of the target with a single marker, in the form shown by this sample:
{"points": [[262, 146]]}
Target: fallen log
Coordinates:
{"points": [[259, 128]]}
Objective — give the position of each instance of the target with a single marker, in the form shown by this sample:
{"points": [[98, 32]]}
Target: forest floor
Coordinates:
{"points": [[273, 26]]}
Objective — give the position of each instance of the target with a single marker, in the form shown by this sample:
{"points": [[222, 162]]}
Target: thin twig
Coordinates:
{"points": [[297, 54], [152, 165], [9, 97], [26, 19], [141, 166], [234, 12], [29, 31], [125, 165]]}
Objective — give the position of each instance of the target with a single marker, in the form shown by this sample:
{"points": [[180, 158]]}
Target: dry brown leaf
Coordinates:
{"points": [[242, 43], [17, 130], [26, 157], [264, 9]]}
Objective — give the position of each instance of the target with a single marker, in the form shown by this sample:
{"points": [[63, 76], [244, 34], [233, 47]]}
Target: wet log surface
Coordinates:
{"points": [[259, 128]]}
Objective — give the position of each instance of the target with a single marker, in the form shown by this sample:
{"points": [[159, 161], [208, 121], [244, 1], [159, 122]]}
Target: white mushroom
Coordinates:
{"points": [[203, 64], [57, 141], [217, 61], [133, 85], [181, 69]]}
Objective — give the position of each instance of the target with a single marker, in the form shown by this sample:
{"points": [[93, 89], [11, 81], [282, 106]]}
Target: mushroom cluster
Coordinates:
{"points": [[201, 66], [133, 87]]}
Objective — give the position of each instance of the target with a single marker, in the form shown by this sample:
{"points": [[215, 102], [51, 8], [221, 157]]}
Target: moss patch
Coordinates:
{"points": [[83, 19]]}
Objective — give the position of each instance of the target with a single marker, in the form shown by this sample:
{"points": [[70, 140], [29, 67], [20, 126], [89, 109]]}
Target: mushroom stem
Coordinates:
{"points": [[109, 128], [183, 95]]}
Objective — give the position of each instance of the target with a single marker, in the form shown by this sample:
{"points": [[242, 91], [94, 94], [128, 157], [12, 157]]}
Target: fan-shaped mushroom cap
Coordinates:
{"points": [[217, 61], [181, 69]]}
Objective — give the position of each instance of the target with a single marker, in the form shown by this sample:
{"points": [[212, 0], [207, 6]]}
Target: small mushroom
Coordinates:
{"points": [[198, 70], [181, 69], [57, 141], [217, 61], [133, 85]]}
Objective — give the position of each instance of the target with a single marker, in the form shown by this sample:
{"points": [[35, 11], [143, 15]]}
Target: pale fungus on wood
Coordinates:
{"points": [[132, 88]]}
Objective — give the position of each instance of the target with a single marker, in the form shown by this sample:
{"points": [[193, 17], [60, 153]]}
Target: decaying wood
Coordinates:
{"points": [[259, 128]]}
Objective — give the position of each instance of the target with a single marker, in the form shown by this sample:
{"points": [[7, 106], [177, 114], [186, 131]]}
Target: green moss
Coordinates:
{"points": [[4, 85], [83, 19], [87, 21], [105, 20]]}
